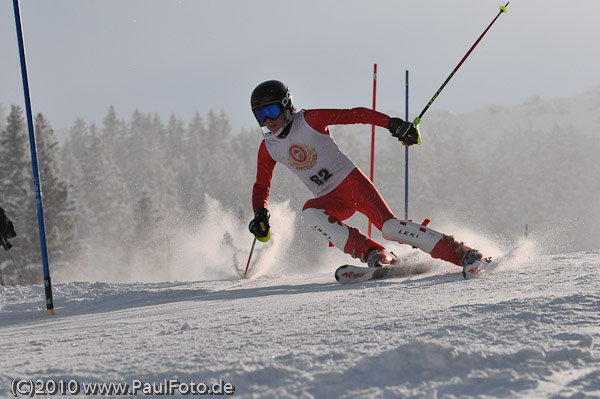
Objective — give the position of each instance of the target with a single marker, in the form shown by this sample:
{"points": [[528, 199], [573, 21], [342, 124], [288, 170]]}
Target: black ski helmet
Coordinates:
{"points": [[269, 93]]}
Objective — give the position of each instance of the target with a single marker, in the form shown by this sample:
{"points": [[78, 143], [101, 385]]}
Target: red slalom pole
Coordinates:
{"points": [[373, 131], [418, 119]]}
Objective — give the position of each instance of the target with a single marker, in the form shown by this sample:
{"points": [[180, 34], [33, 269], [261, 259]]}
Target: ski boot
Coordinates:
{"points": [[381, 258], [470, 256], [473, 263]]}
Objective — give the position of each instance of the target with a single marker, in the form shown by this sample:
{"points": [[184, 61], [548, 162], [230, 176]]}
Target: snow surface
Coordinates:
{"points": [[529, 330]]}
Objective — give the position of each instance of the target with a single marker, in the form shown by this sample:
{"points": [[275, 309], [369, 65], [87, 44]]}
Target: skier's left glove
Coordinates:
{"points": [[7, 230], [406, 132], [259, 226]]}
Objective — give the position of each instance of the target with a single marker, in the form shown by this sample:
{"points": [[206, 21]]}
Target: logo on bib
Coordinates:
{"points": [[302, 157]]}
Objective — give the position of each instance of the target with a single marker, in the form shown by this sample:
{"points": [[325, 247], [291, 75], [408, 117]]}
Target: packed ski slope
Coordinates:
{"points": [[530, 330]]}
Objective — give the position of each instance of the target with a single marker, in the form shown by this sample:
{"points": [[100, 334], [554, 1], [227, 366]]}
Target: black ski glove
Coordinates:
{"points": [[259, 226], [406, 132], [7, 230]]}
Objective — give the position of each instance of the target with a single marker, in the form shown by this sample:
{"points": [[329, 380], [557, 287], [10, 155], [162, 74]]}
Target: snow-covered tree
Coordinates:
{"points": [[15, 163], [59, 209]]}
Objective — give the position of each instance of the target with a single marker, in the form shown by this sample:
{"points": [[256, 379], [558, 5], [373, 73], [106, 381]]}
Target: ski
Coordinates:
{"points": [[349, 274]]}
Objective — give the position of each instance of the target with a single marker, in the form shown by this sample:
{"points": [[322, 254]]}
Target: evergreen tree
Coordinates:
{"points": [[16, 185], [192, 177], [147, 220], [161, 168], [59, 210], [245, 147], [2, 118], [115, 136], [150, 164], [148, 241], [176, 157], [148, 230], [176, 139], [73, 150], [102, 191], [218, 167], [15, 162]]}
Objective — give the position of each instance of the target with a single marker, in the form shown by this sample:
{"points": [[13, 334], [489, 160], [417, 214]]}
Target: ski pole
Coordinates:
{"points": [[437, 93], [5, 244], [250, 257], [16, 268]]}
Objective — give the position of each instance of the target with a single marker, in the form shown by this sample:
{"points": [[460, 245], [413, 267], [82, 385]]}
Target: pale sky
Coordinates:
{"points": [[185, 56]]}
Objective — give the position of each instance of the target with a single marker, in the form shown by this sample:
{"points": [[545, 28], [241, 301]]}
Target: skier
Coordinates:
{"points": [[7, 230], [302, 142]]}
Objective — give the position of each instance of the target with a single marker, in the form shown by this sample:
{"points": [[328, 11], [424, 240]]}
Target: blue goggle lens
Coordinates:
{"points": [[270, 111]]}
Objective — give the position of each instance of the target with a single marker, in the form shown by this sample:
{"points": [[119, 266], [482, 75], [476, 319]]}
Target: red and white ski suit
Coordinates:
{"points": [[339, 186]]}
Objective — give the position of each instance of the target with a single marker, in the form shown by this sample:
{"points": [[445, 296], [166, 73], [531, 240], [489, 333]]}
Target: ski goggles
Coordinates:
{"points": [[270, 111]]}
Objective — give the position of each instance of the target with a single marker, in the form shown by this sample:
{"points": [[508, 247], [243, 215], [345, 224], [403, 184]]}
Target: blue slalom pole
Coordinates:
{"points": [[34, 161], [406, 158]]}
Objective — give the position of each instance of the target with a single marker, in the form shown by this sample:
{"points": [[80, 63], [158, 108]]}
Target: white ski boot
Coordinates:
{"points": [[473, 264]]}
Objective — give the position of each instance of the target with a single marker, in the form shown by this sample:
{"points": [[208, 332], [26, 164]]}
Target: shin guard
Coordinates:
{"points": [[348, 239]]}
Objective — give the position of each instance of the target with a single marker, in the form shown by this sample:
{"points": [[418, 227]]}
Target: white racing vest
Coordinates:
{"points": [[313, 156]]}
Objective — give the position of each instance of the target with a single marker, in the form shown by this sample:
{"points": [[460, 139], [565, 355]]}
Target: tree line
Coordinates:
{"points": [[112, 189]]}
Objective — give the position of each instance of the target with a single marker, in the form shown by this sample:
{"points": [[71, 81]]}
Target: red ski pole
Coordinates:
{"points": [[250, 257], [437, 93]]}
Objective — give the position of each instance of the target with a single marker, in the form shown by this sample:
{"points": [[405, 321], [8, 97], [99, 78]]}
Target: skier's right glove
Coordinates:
{"points": [[259, 226], [7, 230], [406, 132]]}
